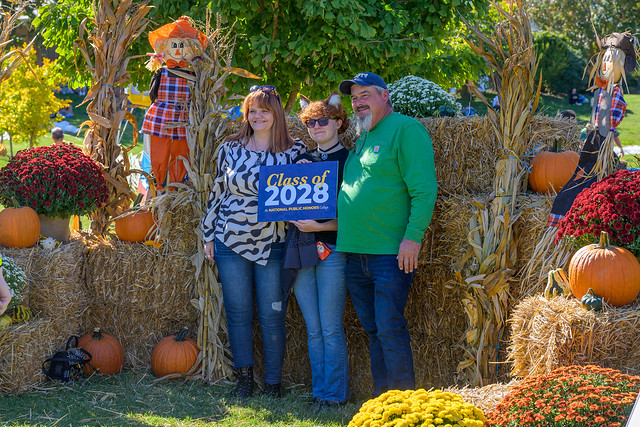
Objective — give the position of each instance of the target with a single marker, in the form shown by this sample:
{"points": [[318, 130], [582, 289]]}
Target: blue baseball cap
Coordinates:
{"points": [[362, 79]]}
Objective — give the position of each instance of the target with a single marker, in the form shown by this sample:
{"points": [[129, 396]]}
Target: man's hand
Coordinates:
{"points": [[208, 251], [408, 255]]}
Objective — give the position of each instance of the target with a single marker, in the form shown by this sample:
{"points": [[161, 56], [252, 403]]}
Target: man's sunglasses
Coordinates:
{"points": [[322, 121]]}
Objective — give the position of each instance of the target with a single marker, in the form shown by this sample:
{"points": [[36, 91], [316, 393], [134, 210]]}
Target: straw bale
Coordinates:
{"points": [[532, 223], [547, 334], [486, 398], [138, 294], [23, 348], [465, 149], [178, 222], [56, 283], [436, 323]]}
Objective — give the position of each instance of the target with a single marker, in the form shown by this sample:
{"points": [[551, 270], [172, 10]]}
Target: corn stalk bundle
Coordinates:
{"points": [[511, 57], [10, 59], [116, 24]]}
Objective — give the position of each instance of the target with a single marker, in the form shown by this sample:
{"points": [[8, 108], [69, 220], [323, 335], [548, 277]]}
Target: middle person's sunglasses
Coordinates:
{"points": [[322, 121]]}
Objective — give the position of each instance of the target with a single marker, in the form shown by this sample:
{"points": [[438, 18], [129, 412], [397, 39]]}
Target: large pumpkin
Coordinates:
{"points": [[19, 227], [134, 227], [551, 170], [174, 354], [612, 272], [106, 351]]}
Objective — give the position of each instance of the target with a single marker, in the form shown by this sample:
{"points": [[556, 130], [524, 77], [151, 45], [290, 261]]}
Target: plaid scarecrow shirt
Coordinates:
{"points": [[618, 107], [170, 106]]}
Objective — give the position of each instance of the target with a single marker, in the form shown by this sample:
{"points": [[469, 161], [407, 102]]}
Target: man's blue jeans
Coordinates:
{"points": [[379, 292], [238, 275], [321, 294]]}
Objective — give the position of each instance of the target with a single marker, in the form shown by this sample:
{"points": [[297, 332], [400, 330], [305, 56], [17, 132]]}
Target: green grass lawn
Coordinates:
{"points": [[132, 398]]}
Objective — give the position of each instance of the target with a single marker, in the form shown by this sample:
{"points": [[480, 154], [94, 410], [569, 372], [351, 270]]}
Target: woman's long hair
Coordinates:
{"points": [[281, 140]]}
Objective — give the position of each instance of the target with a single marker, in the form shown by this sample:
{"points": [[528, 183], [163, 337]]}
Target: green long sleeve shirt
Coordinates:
{"points": [[389, 188]]}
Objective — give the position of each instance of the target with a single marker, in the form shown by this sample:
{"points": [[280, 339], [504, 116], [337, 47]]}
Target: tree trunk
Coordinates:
{"points": [[292, 99], [11, 144]]}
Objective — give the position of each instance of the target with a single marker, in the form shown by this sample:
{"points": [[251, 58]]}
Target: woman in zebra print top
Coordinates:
{"points": [[249, 253]]}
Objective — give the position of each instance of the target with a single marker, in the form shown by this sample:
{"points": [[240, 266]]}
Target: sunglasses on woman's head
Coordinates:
{"points": [[265, 89], [322, 121]]}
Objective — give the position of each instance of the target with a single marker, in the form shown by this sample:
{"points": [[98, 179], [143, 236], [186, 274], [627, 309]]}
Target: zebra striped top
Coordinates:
{"points": [[232, 211]]}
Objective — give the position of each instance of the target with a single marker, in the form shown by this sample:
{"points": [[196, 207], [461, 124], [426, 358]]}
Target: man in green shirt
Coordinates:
{"points": [[385, 205]]}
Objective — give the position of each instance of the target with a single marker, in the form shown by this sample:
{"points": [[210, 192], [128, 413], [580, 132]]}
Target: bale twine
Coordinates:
{"points": [[547, 334], [139, 294], [23, 349]]}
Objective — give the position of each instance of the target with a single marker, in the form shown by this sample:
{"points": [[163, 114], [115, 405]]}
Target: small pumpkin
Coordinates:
{"points": [[174, 354], [5, 321], [591, 301], [21, 313], [557, 284], [19, 227], [134, 226], [551, 170], [612, 272], [107, 354]]}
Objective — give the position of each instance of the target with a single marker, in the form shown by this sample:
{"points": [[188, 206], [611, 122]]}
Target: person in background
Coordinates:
{"points": [[576, 98], [385, 205], [319, 285], [5, 293], [57, 135], [249, 253], [496, 103]]}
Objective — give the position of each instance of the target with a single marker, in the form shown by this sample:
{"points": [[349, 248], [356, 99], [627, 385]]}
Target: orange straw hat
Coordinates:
{"points": [[182, 28]]}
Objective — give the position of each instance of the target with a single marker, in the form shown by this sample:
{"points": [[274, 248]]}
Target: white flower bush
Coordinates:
{"points": [[16, 279], [417, 97]]}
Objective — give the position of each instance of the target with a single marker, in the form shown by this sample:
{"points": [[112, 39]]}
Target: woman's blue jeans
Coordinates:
{"points": [[379, 291], [239, 278], [321, 295]]}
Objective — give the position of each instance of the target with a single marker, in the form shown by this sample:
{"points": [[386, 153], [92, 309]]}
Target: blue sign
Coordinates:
{"points": [[300, 191]]}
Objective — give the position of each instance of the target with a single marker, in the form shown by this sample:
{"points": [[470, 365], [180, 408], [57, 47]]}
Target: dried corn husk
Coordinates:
{"points": [[105, 50]]}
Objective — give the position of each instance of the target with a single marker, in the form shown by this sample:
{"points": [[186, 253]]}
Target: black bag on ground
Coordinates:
{"points": [[67, 365]]}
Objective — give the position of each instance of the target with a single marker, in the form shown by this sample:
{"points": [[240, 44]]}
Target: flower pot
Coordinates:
{"points": [[57, 227]]}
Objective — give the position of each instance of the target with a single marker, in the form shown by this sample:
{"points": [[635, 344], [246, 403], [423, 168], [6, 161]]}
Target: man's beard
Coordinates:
{"points": [[364, 124]]}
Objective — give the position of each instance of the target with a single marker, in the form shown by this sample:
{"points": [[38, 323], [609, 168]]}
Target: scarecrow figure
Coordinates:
{"points": [[597, 158], [175, 45]]}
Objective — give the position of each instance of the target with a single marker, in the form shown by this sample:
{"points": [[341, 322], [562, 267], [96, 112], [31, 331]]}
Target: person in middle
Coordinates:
{"points": [[249, 253], [319, 288]]}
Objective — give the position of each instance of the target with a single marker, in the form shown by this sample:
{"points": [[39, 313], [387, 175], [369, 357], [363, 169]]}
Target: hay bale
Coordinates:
{"points": [[23, 348], [547, 334], [465, 149], [486, 398], [56, 283], [138, 294]]}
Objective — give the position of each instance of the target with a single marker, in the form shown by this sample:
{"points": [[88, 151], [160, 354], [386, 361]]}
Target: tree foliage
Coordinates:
{"points": [[573, 19], [27, 100], [561, 65], [299, 44]]}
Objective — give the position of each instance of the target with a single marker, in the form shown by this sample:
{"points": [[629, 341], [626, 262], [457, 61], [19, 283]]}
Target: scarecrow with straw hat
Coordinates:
{"points": [[617, 56], [175, 45]]}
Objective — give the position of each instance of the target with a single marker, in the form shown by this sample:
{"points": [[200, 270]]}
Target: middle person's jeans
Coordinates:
{"points": [[321, 294]]}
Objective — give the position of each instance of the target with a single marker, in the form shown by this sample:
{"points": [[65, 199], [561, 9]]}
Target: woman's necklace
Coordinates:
{"points": [[324, 154]]}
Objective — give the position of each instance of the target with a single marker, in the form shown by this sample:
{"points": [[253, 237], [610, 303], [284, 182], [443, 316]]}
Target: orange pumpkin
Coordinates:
{"points": [[612, 272], [551, 170], [106, 351], [174, 354], [19, 227], [134, 227]]}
